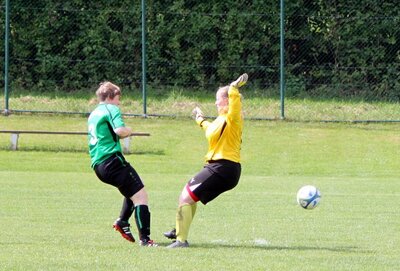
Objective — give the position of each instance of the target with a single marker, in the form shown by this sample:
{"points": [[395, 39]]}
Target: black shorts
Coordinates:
{"points": [[215, 178], [117, 172]]}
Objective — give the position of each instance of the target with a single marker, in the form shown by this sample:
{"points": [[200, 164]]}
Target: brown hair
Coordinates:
{"points": [[107, 90]]}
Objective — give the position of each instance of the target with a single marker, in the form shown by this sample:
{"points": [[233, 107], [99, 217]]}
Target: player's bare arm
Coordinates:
{"points": [[123, 132]]}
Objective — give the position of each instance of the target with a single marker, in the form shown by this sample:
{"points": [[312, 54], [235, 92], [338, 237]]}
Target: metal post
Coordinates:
{"points": [[144, 68], [6, 55], [282, 59]]}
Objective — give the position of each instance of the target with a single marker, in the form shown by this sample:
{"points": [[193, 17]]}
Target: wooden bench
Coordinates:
{"points": [[15, 135]]}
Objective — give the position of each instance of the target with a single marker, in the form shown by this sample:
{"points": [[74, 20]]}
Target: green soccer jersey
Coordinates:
{"points": [[103, 141]]}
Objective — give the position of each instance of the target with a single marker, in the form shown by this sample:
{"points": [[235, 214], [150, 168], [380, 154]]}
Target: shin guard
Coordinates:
{"points": [[142, 218], [184, 217], [126, 210]]}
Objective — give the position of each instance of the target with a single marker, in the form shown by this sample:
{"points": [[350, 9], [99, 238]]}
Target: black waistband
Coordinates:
{"points": [[222, 161], [113, 156]]}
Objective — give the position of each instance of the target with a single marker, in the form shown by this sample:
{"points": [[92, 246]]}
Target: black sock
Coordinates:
{"points": [[127, 209], [142, 218]]}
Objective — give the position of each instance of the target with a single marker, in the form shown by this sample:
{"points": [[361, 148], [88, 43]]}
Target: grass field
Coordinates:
{"points": [[56, 215], [179, 103]]}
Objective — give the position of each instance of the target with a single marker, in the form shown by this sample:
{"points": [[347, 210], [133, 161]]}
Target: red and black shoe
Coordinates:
{"points": [[124, 229], [148, 243]]}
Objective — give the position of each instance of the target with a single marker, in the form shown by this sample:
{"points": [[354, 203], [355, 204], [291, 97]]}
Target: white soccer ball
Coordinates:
{"points": [[308, 197]]}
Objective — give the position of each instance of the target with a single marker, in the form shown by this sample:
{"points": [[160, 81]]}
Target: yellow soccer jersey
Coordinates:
{"points": [[224, 134]]}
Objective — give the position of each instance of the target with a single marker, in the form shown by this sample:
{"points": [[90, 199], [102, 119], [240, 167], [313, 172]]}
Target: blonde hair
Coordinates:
{"points": [[224, 94], [224, 91], [107, 90]]}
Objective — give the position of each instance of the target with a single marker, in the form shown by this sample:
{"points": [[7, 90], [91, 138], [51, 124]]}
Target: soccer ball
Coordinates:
{"points": [[308, 197]]}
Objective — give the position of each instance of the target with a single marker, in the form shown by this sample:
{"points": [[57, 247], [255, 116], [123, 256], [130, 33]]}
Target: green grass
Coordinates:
{"points": [[56, 215], [179, 103]]}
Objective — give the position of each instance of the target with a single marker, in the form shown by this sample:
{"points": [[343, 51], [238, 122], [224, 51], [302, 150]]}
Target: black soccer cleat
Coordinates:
{"points": [[170, 234], [124, 229]]}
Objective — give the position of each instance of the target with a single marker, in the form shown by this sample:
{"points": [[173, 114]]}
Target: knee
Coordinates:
{"points": [[140, 198], [185, 199]]}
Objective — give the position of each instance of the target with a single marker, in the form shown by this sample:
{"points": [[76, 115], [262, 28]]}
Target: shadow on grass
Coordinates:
{"points": [[246, 245], [79, 150], [269, 247]]}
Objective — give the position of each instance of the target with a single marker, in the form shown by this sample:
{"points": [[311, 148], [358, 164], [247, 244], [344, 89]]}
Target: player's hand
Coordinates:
{"points": [[197, 113], [241, 81]]}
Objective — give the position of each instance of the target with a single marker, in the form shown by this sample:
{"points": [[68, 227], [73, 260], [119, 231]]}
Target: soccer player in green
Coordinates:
{"points": [[105, 128], [222, 169]]}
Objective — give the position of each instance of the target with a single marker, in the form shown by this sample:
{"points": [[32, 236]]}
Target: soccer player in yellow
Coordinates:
{"points": [[222, 169]]}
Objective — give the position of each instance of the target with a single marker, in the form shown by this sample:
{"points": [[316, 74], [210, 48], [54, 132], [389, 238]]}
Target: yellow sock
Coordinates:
{"points": [[184, 217], [194, 207]]}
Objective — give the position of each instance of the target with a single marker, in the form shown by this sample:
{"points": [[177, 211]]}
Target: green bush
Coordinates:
{"points": [[350, 48]]}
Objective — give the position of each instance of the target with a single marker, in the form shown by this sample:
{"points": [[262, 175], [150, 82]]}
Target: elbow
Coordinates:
{"points": [[123, 132]]}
